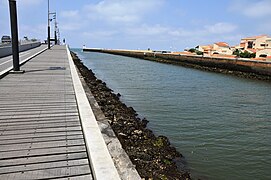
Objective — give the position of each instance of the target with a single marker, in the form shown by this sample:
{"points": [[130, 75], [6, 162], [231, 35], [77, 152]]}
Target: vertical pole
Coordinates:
{"points": [[55, 30], [48, 39], [14, 34]]}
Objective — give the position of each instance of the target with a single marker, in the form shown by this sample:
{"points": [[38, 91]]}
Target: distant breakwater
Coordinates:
{"points": [[246, 68]]}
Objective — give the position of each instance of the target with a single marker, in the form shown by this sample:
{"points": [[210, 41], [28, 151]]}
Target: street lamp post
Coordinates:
{"points": [[14, 35], [55, 28], [54, 18], [48, 39]]}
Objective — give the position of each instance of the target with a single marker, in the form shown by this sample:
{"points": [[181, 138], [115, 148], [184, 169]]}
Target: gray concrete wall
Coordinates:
{"points": [[7, 50]]}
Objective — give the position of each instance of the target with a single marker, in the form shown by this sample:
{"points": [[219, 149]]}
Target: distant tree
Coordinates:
{"points": [[199, 53], [236, 52], [192, 50], [247, 54]]}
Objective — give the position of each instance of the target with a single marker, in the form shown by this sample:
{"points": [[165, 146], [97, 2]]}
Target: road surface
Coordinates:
{"points": [[6, 63]]}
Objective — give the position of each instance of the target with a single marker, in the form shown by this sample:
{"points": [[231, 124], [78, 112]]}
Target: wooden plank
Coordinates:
{"points": [[37, 122], [27, 131], [41, 152], [43, 165], [36, 115], [33, 109], [44, 145], [31, 104], [39, 139], [54, 118], [20, 116], [83, 177], [39, 135], [39, 126], [61, 172], [43, 111], [42, 159]]}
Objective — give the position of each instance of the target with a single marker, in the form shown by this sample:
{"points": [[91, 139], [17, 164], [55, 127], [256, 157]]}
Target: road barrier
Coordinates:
{"points": [[7, 50]]}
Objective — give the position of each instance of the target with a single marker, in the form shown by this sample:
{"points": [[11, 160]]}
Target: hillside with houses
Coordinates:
{"points": [[255, 48]]}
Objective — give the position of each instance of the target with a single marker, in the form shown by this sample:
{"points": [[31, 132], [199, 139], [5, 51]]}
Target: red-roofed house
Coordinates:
{"points": [[266, 52], [255, 42], [216, 48], [222, 48], [206, 49]]}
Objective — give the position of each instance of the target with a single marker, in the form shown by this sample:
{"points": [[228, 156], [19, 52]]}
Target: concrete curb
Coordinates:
{"points": [[125, 167], [6, 71], [100, 160]]}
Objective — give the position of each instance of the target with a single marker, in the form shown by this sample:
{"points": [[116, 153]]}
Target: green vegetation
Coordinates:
{"points": [[199, 53], [244, 54], [159, 142], [193, 50], [166, 161]]}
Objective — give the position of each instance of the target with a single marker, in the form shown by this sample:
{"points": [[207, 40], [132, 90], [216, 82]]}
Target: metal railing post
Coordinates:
{"points": [[48, 39]]}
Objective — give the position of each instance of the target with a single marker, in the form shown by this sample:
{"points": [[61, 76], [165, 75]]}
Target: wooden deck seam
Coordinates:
{"points": [[28, 156], [35, 142], [36, 128], [68, 166], [38, 162]]}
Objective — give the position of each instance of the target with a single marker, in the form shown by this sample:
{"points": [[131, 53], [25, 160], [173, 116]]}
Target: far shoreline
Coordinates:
{"points": [[244, 68]]}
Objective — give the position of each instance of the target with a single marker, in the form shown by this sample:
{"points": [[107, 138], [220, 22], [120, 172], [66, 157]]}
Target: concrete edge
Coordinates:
{"points": [[6, 71], [125, 167], [100, 160]]}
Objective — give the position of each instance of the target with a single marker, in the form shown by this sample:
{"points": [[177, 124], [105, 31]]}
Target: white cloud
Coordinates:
{"points": [[220, 28], [69, 14], [147, 30], [71, 26], [71, 20], [121, 10], [154, 30], [181, 32], [252, 9], [100, 34]]}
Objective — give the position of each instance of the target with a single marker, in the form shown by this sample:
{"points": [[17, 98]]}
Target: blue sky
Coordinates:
{"points": [[139, 24]]}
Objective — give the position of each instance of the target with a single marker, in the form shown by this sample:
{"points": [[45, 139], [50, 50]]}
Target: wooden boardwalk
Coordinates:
{"points": [[40, 131]]}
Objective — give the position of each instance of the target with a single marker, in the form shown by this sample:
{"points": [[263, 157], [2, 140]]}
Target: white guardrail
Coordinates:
{"points": [[6, 49]]}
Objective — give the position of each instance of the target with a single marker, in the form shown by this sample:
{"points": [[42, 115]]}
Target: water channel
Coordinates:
{"points": [[220, 123]]}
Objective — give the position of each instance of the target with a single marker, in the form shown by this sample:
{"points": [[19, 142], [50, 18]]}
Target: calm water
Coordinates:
{"points": [[220, 123]]}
